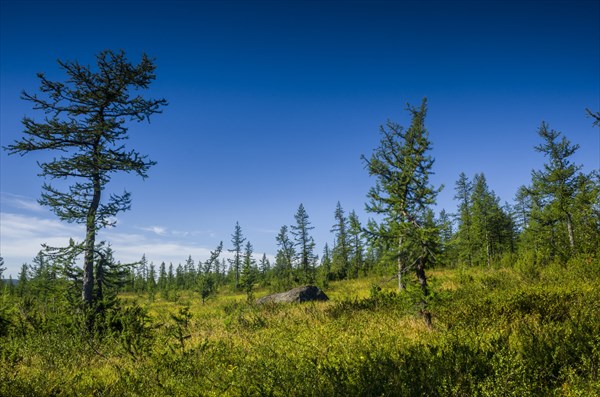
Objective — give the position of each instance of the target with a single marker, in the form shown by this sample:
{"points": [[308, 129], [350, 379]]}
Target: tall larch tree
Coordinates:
{"points": [[2, 269], [248, 273], [464, 190], [325, 268], [340, 261], [305, 245], [285, 257], [492, 227], [402, 194], [556, 184], [355, 237], [237, 241], [85, 122]]}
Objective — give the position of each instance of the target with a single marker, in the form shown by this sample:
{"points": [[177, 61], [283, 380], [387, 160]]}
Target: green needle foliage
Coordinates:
{"points": [[561, 207], [305, 245], [402, 194], [85, 123]]}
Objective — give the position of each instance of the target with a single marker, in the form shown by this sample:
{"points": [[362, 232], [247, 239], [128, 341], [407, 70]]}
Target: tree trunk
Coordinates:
{"points": [[570, 231], [90, 242], [400, 266], [420, 270], [488, 254]]}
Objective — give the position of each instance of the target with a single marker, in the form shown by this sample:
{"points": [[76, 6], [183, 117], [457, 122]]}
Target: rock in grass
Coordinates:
{"points": [[299, 294]]}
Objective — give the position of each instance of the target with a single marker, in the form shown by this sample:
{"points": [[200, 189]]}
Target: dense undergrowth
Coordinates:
{"points": [[517, 331]]}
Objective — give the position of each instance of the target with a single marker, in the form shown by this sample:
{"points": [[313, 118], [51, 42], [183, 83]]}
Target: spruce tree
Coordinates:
{"points": [[84, 121]]}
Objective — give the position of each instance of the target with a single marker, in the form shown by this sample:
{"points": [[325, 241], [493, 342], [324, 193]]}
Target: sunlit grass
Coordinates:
{"points": [[495, 331]]}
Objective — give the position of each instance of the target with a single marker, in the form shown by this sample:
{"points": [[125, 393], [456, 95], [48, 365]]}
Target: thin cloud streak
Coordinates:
{"points": [[20, 202], [158, 230]]}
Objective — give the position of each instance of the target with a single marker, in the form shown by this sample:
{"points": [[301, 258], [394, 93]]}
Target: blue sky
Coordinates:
{"points": [[271, 104]]}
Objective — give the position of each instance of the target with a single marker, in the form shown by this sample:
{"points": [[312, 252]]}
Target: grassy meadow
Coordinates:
{"points": [[513, 331]]}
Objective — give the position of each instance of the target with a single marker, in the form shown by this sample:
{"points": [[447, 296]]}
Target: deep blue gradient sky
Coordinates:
{"points": [[271, 104]]}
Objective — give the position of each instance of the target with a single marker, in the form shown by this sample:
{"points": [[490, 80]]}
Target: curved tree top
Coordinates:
{"points": [[85, 122]]}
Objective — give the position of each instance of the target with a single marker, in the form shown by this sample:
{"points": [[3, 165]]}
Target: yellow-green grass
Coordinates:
{"points": [[495, 332]]}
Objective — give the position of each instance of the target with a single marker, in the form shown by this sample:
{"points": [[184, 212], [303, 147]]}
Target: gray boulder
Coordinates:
{"points": [[299, 294]]}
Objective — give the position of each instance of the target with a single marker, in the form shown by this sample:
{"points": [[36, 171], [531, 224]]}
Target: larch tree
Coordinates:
{"points": [[557, 182], [2, 268], [208, 273], [402, 194], [464, 189], [492, 227], [325, 268], [355, 235], [284, 258], [23, 279], [446, 237], [265, 270], [85, 124], [237, 240], [340, 261], [248, 273], [305, 244], [564, 215]]}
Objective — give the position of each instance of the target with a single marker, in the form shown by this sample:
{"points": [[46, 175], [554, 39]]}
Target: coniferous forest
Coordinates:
{"points": [[489, 298]]}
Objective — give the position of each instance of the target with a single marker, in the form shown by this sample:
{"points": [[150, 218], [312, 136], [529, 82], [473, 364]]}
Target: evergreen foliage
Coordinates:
{"points": [[85, 122], [402, 194], [560, 209], [237, 240], [284, 259], [340, 261], [305, 245], [2, 268], [249, 272]]}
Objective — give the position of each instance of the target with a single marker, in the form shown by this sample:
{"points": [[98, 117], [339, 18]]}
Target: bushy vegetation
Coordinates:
{"points": [[499, 331]]}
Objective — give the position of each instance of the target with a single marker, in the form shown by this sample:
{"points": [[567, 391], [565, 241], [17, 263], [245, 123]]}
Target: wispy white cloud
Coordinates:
{"points": [[17, 226], [21, 202], [159, 230], [22, 236]]}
